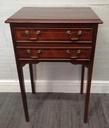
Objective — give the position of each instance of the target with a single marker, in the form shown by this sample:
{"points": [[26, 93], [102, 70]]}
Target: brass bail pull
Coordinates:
{"points": [[74, 57], [74, 39], [38, 32], [37, 56]]}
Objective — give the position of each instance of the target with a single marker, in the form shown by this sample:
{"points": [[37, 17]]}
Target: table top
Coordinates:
{"points": [[54, 15]]}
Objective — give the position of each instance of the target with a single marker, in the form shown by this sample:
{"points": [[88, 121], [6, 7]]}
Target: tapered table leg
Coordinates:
{"points": [[89, 77], [32, 77], [23, 93], [82, 79]]}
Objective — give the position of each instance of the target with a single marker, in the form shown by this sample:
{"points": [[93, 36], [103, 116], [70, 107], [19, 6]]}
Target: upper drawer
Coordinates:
{"points": [[60, 35]]}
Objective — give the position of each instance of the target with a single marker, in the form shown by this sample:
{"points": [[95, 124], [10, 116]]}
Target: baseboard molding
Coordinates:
{"points": [[54, 86]]}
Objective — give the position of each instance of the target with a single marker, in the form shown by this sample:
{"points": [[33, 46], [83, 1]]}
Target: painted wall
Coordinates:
{"points": [[54, 71]]}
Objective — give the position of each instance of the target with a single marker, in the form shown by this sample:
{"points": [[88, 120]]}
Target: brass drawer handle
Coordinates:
{"points": [[28, 51], [33, 39], [34, 57], [38, 32], [74, 57], [74, 39]]}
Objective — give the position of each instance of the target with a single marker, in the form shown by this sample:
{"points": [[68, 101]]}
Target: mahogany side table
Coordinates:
{"points": [[54, 35]]}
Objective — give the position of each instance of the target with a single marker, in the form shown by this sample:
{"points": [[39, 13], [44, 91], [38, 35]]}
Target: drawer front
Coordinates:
{"points": [[83, 54], [46, 35]]}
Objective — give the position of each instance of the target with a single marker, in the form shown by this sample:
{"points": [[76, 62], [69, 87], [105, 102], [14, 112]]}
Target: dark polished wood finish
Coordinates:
{"points": [[54, 35], [32, 77], [82, 79]]}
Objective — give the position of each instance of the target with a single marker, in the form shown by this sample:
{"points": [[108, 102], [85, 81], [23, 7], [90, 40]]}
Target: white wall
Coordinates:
{"points": [[53, 73]]}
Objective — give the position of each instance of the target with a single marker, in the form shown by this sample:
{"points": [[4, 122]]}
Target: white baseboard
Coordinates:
{"points": [[54, 86]]}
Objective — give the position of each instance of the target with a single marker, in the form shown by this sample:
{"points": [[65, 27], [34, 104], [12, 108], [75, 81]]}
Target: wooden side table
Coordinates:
{"points": [[54, 35]]}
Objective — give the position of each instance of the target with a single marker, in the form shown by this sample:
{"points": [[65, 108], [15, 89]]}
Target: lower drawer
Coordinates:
{"points": [[57, 53]]}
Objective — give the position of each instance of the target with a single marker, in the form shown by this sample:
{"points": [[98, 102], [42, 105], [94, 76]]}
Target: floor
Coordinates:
{"points": [[53, 110]]}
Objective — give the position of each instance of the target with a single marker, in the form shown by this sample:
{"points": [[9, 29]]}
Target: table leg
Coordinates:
{"points": [[82, 79], [89, 77], [23, 93], [32, 72]]}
